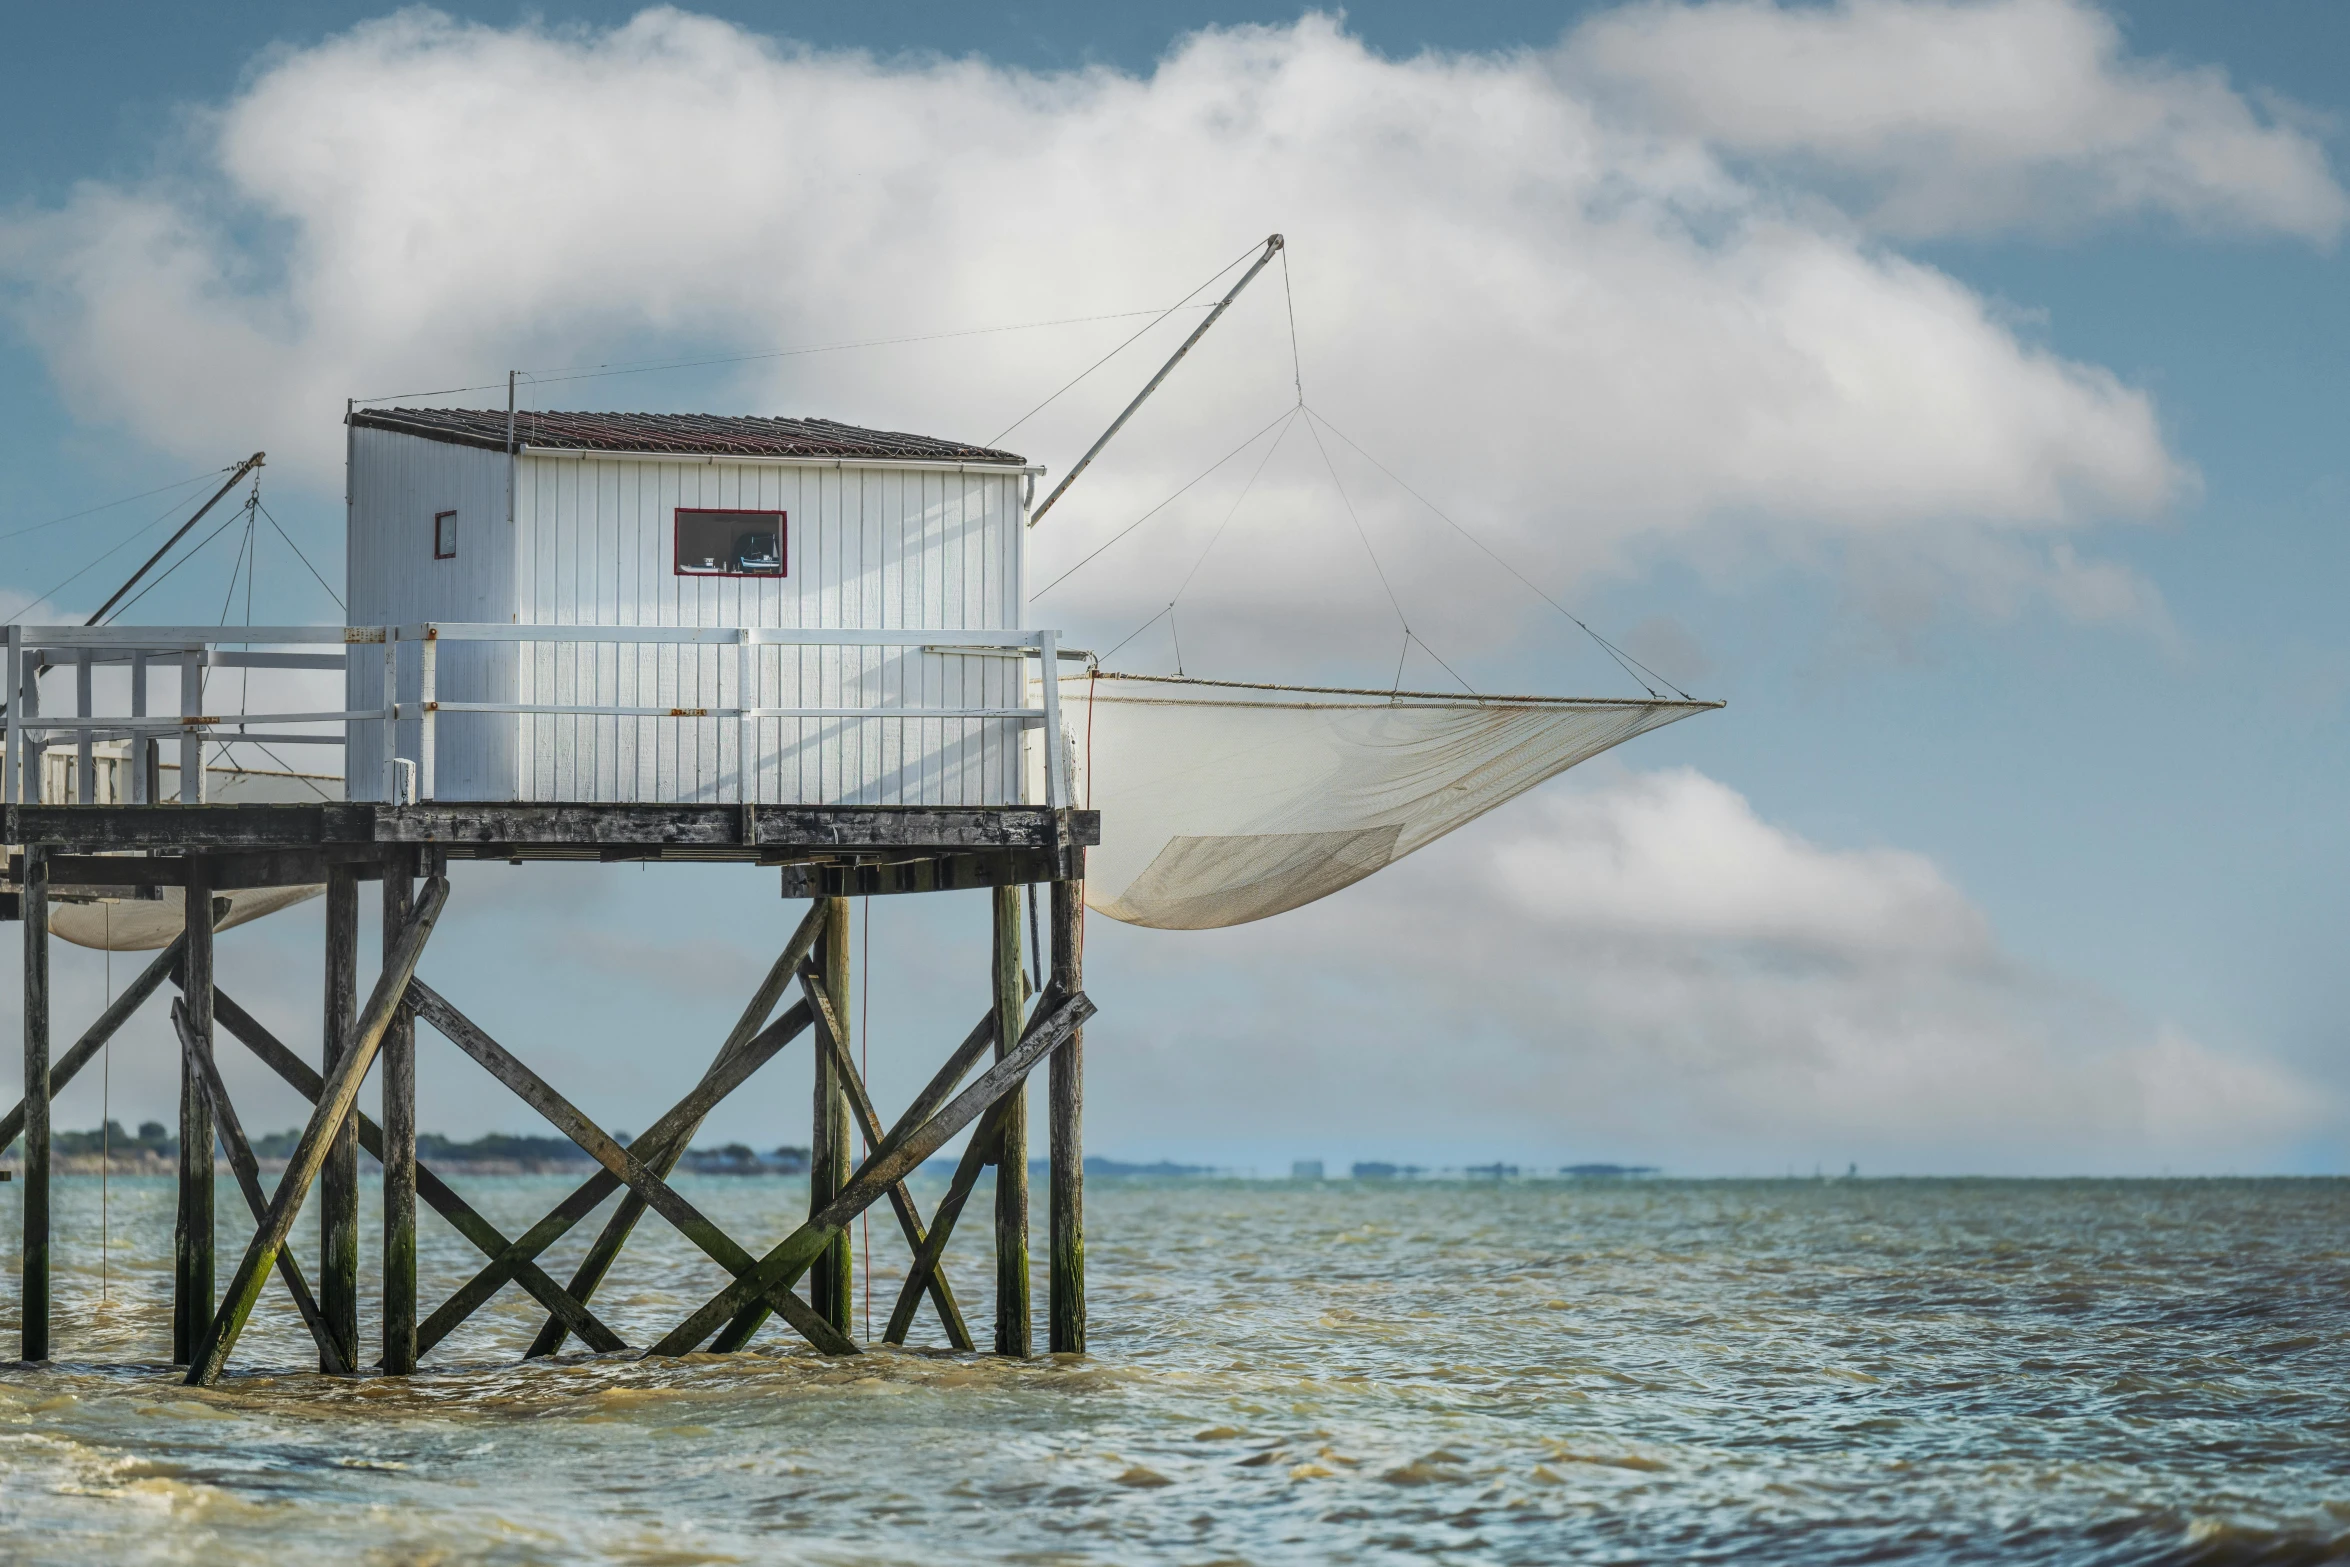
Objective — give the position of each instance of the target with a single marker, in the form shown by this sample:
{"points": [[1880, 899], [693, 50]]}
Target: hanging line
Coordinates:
{"points": [[1297, 369], [1162, 506], [1178, 638], [1640, 673], [1122, 347]]}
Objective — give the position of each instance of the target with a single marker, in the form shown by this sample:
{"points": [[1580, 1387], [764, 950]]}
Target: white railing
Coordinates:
{"points": [[31, 650]]}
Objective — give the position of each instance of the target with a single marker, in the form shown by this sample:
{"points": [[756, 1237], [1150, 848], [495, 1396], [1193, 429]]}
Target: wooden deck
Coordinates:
{"points": [[832, 850]]}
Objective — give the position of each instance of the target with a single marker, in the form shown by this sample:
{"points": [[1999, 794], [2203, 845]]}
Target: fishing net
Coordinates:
{"points": [[1223, 803]]}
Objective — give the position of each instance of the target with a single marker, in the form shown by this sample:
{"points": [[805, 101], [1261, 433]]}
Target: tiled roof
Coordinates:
{"points": [[722, 435]]}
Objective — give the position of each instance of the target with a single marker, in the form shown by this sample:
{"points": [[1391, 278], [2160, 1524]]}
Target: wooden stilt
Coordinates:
{"points": [[338, 1181], [247, 1170], [335, 1101], [35, 1280], [829, 1288], [942, 1227], [607, 1246], [192, 1238], [832, 1037], [1065, 1090], [399, 1130], [899, 1155], [1011, 1168]]}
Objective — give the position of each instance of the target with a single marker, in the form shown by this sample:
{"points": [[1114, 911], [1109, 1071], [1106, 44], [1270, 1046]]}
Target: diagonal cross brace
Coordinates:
{"points": [[606, 1249], [62, 1071], [892, 1162], [583, 1200], [461, 1215], [659, 1195], [977, 1043], [828, 1037], [340, 1091], [977, 1155], [248, 1173]]}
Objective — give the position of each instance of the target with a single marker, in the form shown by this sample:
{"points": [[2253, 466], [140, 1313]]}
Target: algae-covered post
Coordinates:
{"points": [[1065, 1089], [1011, 1164], [828, 1143], [399, 1124], [192, 1233], [338, 1182], [34, 901]]}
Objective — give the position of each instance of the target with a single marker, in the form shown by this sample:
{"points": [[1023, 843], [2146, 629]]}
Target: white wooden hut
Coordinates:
{"points": [[687, 521]]}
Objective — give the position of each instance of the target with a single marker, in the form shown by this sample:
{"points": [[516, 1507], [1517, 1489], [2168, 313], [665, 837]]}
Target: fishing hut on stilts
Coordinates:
{"points": [[785, 643], [778, 643]]}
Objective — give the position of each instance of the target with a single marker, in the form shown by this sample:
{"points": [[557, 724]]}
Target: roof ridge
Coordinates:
{"points": [[686, 434]]}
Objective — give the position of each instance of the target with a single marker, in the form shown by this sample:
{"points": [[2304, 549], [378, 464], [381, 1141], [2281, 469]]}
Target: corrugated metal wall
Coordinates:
{"points": [[877, 547], [398, 483]]}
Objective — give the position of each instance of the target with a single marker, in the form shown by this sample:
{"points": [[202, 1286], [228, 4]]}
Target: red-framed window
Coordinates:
{"points": [[714, 542], [444, 535]]}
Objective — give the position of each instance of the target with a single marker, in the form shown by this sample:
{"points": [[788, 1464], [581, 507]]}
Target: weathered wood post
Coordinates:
{"points": [[191, 1234], [1011, 1171], [829, 1290], [338, 1182], [35, 1298], [399, 1136], [1066, 1100]]}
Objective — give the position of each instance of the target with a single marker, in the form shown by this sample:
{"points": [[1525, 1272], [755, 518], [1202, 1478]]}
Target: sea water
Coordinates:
{"points": [[1342, 1371]]}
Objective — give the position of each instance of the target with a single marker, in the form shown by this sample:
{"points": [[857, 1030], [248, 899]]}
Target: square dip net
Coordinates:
{"points": [[1224, 802]]}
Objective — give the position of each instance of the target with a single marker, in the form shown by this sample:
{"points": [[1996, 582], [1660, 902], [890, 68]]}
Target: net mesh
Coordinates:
{"points": [[1223, 803]]}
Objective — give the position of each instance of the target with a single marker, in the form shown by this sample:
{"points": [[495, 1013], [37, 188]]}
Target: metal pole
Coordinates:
{"points": [[1272, 249], [243, 468]]}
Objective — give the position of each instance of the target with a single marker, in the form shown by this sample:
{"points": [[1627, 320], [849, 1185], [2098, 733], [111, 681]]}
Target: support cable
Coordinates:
{"points": [[1162, 506], [1122, 347], [91, 511], [304, 559], [1647, 678]]}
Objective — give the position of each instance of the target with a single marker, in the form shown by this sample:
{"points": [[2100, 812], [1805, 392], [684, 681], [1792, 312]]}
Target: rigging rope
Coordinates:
{"points": [[1122, 347], [91, 511]]}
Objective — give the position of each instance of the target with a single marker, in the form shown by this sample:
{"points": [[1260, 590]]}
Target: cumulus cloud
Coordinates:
{"points": [[1966, 117], [1582, 332], [1645, 968]]}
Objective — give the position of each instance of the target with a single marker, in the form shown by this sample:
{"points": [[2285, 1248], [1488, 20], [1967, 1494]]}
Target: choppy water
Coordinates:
{"points": [[2097, 1372]]}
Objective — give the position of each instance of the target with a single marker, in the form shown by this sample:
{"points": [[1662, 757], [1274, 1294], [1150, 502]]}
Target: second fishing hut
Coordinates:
{"points": [[784, 642]]}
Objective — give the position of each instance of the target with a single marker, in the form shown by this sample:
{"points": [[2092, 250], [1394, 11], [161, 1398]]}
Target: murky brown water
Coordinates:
{"points": [[1939, 1371]]}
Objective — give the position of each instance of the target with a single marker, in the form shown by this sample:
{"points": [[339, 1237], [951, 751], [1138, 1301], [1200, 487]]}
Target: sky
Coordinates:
{"points": [[1953, 389]]}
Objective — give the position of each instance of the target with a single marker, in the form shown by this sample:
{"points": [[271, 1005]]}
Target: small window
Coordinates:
{"points": [[730, 543], [444, 535]]}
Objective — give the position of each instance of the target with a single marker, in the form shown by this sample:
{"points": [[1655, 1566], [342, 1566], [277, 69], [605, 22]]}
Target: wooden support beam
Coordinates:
{"points": [[338, 1181], [890, 1163], [93, 1040], [399, 1149], [430, 1187], [335, 1101], [831, 1037], [1065, 1100], [942, 1227], [34, 1280], [229, 872], [663, 1199], [677, 1124], [192, 1234], [248, 1173], [829, 1287], [616, 1231], [1012, 1336]]}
